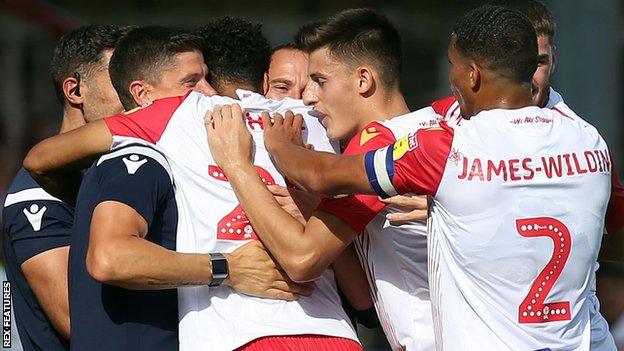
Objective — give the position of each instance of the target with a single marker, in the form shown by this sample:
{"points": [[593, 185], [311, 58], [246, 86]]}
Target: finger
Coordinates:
{"points": [[288, 118], [217, 117], [298, 122], [299, 289], [411, 202], [226, 111], [282, 295], [278, 119], [266, 120], [237, 114], [278, 190], [208, 119], [416, 215]]}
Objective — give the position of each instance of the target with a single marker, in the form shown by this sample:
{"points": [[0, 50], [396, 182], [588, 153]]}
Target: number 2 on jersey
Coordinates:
{"points": [[235, 225], [533, 309]]}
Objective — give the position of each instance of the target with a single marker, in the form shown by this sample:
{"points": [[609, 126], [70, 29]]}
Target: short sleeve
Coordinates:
{"points": [[415, 163], [358, 210], [147, 123], [138, 180], [36, 226], [615, 210]]}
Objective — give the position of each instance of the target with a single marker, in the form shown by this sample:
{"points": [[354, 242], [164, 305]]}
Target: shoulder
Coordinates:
{"points": [[134, 160], [374, 136]]}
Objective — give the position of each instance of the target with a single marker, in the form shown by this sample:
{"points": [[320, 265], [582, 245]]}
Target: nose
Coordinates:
{"points": [[309, 94], [205, 88]]}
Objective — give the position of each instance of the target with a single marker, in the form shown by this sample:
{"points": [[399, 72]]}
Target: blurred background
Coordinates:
{"points": [[589, 40]]}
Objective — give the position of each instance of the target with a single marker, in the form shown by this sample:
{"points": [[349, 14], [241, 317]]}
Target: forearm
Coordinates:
{"points": [[282, 234], [138, 264], [352, 280], [321, 172], [55, 162]]}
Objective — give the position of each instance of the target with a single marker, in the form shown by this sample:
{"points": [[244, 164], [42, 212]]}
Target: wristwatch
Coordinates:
{"points": [[220, 269]]}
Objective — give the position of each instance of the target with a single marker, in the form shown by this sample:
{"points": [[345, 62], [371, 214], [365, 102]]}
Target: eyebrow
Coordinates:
{"points": [[281, 80], [190, 76]]}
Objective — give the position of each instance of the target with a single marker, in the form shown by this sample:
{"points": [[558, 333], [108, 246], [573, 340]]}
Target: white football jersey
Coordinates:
{"points": [[516, 223], [211, 220], [394, 257]]}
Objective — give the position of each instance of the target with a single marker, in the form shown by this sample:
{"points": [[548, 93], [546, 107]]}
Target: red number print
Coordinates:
{"points": [[533, 309], [235, 225]]}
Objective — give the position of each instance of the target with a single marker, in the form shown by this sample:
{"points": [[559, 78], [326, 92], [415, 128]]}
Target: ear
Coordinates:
{"points": [[475, 76], [265, 83], [71, 91], [139, 91], [366, 81]]}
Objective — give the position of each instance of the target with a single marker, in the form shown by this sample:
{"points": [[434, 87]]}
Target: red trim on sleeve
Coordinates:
{"points": [[358, 210], [147, 123], [420, 170], [443, 106], [614, 220]]}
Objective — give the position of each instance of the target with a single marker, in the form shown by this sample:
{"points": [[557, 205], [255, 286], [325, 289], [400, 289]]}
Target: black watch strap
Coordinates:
{"points": [[220, 270]]}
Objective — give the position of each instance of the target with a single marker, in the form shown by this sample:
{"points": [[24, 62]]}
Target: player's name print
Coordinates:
{"points": [[527, 168]]}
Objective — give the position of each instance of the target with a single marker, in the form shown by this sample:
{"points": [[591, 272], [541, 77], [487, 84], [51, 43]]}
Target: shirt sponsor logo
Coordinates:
{"points": [[133, 163], [34, 215]]}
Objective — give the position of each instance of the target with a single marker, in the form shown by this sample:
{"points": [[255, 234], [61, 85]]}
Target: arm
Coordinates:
{"points": [[46, 274], [352, 280], [54, 163], [119, 255], [303, 252], [322, 172]]}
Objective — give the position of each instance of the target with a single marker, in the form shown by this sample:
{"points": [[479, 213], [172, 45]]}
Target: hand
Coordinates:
{"points": [[228, 137], [415, 207], [284, 129], [254, 272], [298, 203]]}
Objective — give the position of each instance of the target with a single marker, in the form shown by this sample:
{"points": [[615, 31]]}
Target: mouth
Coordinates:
{"points": [[325, 121]]}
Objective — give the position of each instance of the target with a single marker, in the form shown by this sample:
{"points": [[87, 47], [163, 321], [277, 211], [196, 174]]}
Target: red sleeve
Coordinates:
{"points": [[443, 106], [358, 210], [146, 123], [615, 212], [415, 163]]}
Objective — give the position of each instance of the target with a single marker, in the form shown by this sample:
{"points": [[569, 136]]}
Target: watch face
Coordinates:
{"points": [[219, 269]]}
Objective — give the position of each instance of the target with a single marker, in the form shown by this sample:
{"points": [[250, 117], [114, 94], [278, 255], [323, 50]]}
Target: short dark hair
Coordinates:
{"points": [[144, 53], [235, 51], [82, 51], [500, 39], [356, 35], [538, 14], [307, 34]]}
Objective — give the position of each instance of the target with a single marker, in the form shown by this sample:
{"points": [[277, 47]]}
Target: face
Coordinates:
{"points": [[188, 72], [99, 97], [545, 68], [334, 94], [459, 78], [287, 75]]}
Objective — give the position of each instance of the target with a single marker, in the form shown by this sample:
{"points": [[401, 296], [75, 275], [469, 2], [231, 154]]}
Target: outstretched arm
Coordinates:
{"points": [[55, 162]]}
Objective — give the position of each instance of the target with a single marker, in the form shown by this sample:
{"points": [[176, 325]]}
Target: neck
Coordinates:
{"points": [[72, 119], [230, 89], [507, 96], [382, 106]]}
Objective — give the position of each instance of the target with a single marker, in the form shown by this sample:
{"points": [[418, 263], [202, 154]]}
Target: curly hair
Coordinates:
{"points": [[540, 16], [235, 51], [500, 39]]}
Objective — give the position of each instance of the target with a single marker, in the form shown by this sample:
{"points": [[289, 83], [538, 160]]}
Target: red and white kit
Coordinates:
{"points": [[519, 203], [211, 220], [394, 257]]}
